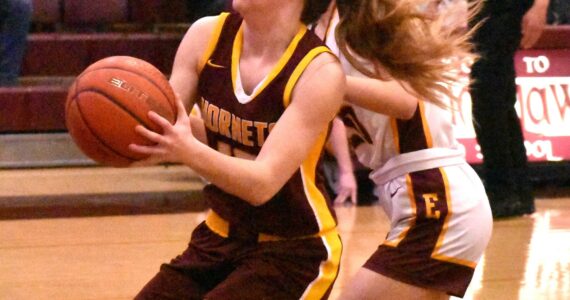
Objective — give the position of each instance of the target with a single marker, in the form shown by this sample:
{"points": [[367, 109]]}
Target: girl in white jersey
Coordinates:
{"points": [[396, 59]]}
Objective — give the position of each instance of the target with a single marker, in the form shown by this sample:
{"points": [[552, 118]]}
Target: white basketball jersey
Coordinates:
{"points": [[377, 138]]}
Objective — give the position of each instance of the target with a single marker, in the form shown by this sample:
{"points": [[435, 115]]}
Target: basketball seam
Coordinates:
{"points": [[120, 105], [88, 126], [73, 86], [173, 106]]}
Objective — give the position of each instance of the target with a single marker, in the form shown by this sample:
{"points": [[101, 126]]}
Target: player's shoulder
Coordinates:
{"points": [[328, 68], [204, 27], [323, 78], [199, 36]]}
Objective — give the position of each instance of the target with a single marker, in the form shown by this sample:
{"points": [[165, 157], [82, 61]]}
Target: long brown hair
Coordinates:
{"points": [[410, 44]]}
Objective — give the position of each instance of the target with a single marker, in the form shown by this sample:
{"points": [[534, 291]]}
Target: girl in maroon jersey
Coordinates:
{"points": [[260, 80]]}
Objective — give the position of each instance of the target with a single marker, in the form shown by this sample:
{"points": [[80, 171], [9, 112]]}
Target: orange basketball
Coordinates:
{"points": [[107, 101]]}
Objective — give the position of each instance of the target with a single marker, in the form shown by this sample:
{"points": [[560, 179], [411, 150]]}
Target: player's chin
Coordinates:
{"points": [[244, 6]]}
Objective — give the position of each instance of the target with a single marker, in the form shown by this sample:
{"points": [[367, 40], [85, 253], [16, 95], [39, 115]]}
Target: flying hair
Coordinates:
{"points": [[404, 41]]}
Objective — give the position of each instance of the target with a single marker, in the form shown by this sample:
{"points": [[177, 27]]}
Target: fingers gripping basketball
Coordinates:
{"points": [[108, 100]]}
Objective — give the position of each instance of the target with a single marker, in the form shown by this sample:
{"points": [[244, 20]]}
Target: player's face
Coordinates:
{"points": [[243, 6]]}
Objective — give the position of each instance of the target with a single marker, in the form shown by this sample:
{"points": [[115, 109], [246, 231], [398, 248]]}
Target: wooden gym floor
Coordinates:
{"points": [[100, 233]]}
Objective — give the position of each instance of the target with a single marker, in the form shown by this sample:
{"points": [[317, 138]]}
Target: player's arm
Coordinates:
{"points": [[187, 67], [388, 97], [188, 60], [338, 146], [315, 101], [533, 23]]}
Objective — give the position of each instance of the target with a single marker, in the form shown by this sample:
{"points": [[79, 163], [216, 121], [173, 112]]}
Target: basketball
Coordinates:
{"points": [[108, 99]]}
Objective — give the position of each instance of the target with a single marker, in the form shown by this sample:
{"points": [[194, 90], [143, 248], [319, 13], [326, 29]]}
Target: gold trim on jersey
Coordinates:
{"points": [[327, 225], [299, 70], [213, 40], [444, 229], [328, 270], [427, 132], [217, 224], [314, 195], [395, 134], [236, 54], [221, 227], [425, 127]]}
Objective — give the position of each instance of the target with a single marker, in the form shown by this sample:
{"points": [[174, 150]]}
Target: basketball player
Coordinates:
{"points": [[398, 67], [271, 232]]}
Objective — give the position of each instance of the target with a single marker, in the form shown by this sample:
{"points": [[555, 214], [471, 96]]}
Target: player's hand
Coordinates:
{"points": [[346, 188], [532, 25], [172, 145]]}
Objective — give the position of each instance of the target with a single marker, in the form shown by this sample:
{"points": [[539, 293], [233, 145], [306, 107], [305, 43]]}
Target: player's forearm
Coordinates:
{"points": [[541, 4], [385, 97], [339, 146], [247, 179]]}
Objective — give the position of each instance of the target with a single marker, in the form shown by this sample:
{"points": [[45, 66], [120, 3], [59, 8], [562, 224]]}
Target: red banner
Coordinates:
{"points": [[543, 105]]}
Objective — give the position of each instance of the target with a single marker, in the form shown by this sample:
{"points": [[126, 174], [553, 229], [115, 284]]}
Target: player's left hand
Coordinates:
{"points": [[532, 25], [172, 145]]}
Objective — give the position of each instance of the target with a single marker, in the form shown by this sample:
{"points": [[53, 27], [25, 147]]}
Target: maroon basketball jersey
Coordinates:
{"points": [[301, 207]]}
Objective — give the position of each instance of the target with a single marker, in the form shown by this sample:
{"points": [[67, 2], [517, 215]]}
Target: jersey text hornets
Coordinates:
{"points": [[250, 133]]}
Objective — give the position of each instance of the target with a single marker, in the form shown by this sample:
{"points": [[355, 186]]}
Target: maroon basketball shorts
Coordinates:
{"points": [[218, 266], [441, 224]]}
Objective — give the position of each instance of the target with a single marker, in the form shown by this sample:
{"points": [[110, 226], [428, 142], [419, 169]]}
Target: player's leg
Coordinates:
{"points": [[289, 269], [172, 284], [432, 247], [369, 285], [493, 93], [203, 265], [15, 17]]}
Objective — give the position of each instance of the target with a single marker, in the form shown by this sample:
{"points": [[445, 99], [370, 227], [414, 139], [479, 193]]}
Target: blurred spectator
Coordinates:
{"points": [[15, 18], [507, 26]]}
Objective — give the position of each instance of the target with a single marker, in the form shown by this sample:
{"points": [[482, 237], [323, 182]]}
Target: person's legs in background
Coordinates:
{"points": [[15, 18], [496, 123]]}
